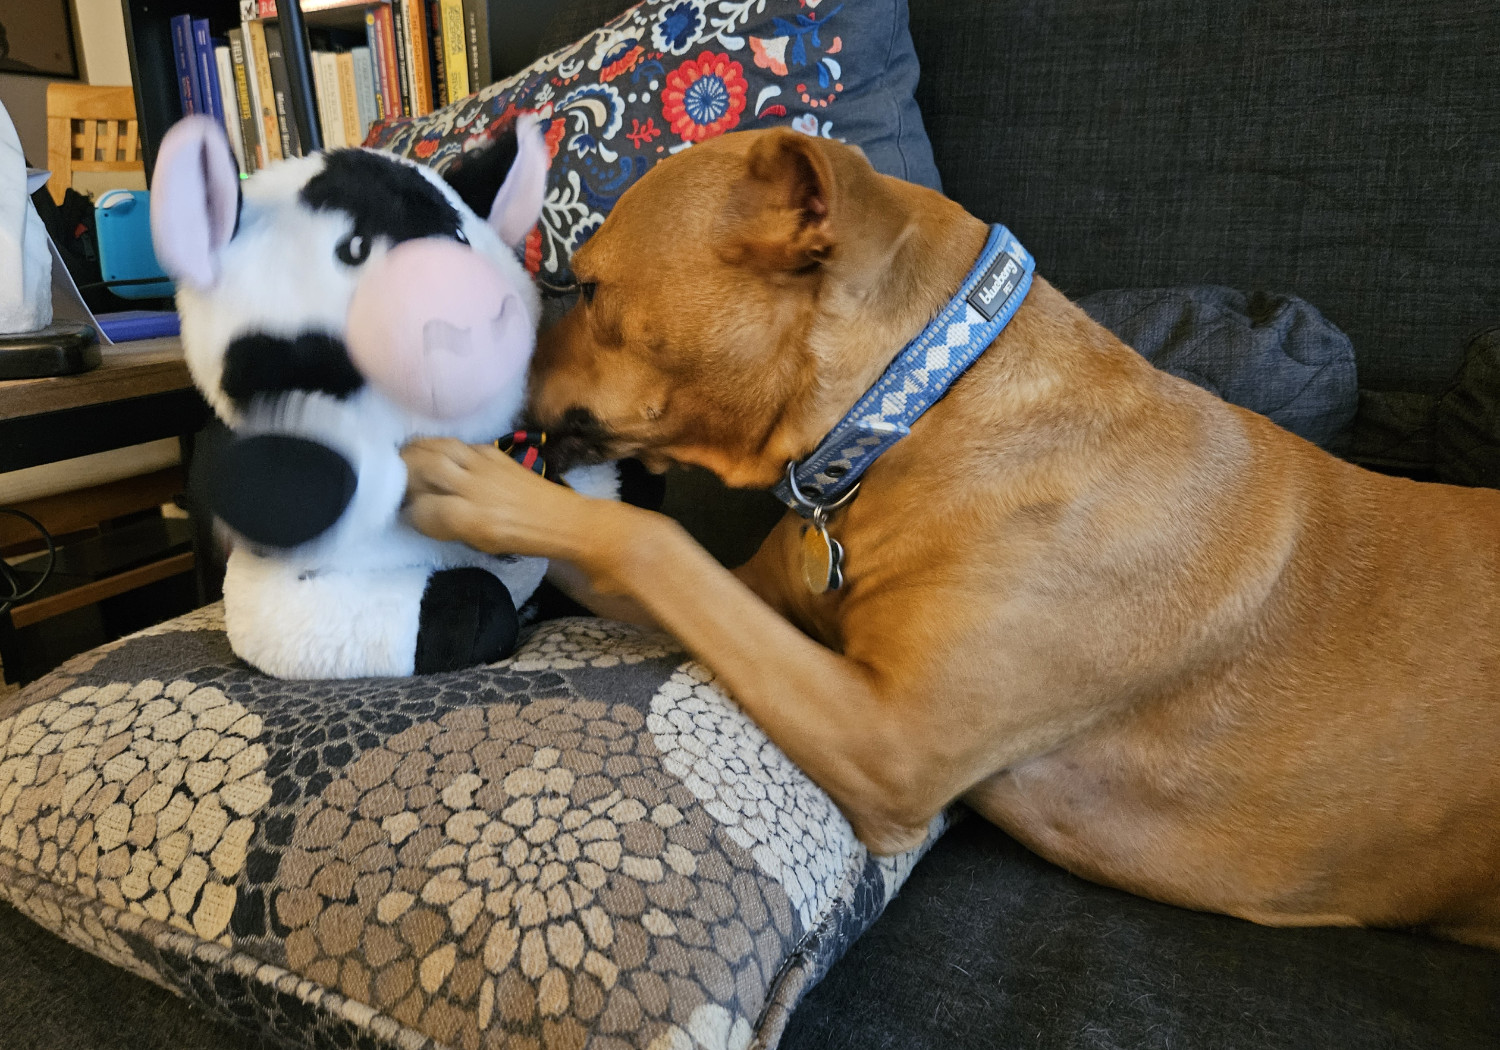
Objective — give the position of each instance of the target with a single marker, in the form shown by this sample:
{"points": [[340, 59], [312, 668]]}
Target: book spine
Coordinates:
{"points": [[372, 50], [321, 92], [349, 100], [455, 51], [265, 92], [366, 106], [245, 102], [389, 63], [224, 70], [416, 46], [291, 143], [403, 59], [437, 56], [267, 8], [183, 55], [208, 70], [477, 37]]}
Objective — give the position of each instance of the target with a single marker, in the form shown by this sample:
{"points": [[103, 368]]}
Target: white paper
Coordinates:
{"points": [[25, 250]]}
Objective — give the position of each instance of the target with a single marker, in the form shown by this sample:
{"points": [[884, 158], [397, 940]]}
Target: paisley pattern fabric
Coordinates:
{"points": [[586, 845], [669, 73]]}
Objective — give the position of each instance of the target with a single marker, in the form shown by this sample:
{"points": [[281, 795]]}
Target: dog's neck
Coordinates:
{"points": [[895, 268]]}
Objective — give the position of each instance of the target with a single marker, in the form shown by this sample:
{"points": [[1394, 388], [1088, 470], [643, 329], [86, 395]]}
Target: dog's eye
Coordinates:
{"points": [[353, 250], [587, 290]]}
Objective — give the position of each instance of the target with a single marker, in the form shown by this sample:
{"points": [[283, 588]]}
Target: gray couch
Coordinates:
{"points": [[1344, 151]]}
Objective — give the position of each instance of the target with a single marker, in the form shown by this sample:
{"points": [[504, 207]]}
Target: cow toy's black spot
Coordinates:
{"points": [[257, 364], [385, 197]]}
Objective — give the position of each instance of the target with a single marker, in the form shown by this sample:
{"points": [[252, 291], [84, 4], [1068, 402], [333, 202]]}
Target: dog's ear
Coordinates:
{"points": [[782, 213], [195, 200]]}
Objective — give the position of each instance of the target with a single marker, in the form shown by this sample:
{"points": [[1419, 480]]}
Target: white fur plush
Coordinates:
{"points": [[255, 259]]}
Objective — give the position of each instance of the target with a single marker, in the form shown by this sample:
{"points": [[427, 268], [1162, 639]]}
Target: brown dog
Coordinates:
{"points": [[1164, 643]]}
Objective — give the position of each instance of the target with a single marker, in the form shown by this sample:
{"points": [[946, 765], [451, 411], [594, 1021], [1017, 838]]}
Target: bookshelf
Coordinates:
{"points": [[327, 26]]}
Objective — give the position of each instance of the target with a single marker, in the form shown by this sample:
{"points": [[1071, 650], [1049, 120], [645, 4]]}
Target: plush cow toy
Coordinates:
{"points": [[334, 307]]}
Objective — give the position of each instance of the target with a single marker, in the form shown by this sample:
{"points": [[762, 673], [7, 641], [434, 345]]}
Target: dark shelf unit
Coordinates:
{"points": [[516, 27]]}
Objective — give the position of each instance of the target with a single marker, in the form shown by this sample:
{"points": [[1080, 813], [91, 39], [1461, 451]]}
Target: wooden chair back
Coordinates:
{"points": [[90, 129]]}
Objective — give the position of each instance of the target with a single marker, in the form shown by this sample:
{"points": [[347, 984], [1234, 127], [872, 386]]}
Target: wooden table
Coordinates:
{"points": [[141, 392]]}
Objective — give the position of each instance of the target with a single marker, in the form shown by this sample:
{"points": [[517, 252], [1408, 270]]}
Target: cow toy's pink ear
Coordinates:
{"points": [[518, 205], [195, 200]]}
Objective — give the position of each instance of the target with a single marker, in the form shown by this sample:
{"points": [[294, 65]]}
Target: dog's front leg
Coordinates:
{"points": [[834, 717]]}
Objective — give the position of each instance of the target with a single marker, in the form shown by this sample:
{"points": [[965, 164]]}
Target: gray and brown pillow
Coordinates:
{"points": [[585, 845]]}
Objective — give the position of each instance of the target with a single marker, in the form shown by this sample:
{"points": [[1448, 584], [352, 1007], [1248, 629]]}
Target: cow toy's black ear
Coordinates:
{"points": [[478, 175]]}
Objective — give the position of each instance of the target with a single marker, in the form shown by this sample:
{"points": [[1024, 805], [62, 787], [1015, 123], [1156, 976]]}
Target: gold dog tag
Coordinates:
{"points": [[822, 560]]}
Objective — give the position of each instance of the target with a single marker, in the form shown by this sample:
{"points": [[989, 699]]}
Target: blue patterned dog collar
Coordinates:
{"points": [[919, 376]]}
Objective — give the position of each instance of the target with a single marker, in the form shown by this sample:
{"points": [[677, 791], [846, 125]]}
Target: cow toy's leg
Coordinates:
{"points": [[294, 623]]}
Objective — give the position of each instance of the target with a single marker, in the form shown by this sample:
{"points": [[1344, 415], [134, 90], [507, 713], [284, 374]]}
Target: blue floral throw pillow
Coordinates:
{"points": [[669, 73]]}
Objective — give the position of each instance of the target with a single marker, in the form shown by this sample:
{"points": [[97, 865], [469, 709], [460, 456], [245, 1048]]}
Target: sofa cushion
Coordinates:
{"points": [[668, 73], [1468, 417], [1346, 152], [990, 947], [584, 844], [1272, 354]]}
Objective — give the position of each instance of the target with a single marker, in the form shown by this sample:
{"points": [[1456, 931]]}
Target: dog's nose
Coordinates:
{"points": [[438, 328]]}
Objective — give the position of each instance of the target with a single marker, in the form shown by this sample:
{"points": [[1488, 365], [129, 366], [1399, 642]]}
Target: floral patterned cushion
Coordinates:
{"points": [[586, 845], [669, 73]]}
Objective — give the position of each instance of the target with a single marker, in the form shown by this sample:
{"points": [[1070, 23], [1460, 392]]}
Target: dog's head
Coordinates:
{"points": [[718, 303], [353, 274]]}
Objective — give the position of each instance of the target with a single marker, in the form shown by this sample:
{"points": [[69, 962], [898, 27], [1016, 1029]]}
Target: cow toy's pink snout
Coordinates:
{"points": [[438, 328]]}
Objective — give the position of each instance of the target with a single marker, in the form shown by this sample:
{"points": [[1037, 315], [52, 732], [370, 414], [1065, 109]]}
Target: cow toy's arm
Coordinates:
{"points": [[275, 490]]}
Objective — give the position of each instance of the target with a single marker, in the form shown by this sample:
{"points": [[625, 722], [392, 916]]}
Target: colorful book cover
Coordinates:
{"points": [[265, 91], [365, 104], [437, 57], [372, 49], [416, 46], [188, 93], [327, 110], [248, 115], [224, 67], [477, 40], [349, 99], [403, 57], [291, 141], [208, 70], [455, 52]]}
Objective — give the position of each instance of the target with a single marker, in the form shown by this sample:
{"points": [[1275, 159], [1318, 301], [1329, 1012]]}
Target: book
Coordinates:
{"points": [[372, 48], [413, 14], [291, 141], [224, 66], [189, 94], [208, 70], [323, 91], [348, 99], [367, 109], [477, 41], [455, 51], [265, 91], [246, 110], [403, 57], [437, 56]]}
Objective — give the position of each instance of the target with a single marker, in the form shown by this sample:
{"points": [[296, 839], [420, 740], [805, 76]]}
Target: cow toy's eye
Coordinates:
{"points": [[461, 237], [353, 250]]}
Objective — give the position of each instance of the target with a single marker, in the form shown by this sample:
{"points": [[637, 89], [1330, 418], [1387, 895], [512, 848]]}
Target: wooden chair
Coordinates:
{"points": [[90, 129]]}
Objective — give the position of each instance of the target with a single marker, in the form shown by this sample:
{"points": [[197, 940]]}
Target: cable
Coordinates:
{"points": [[10, 580]]}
